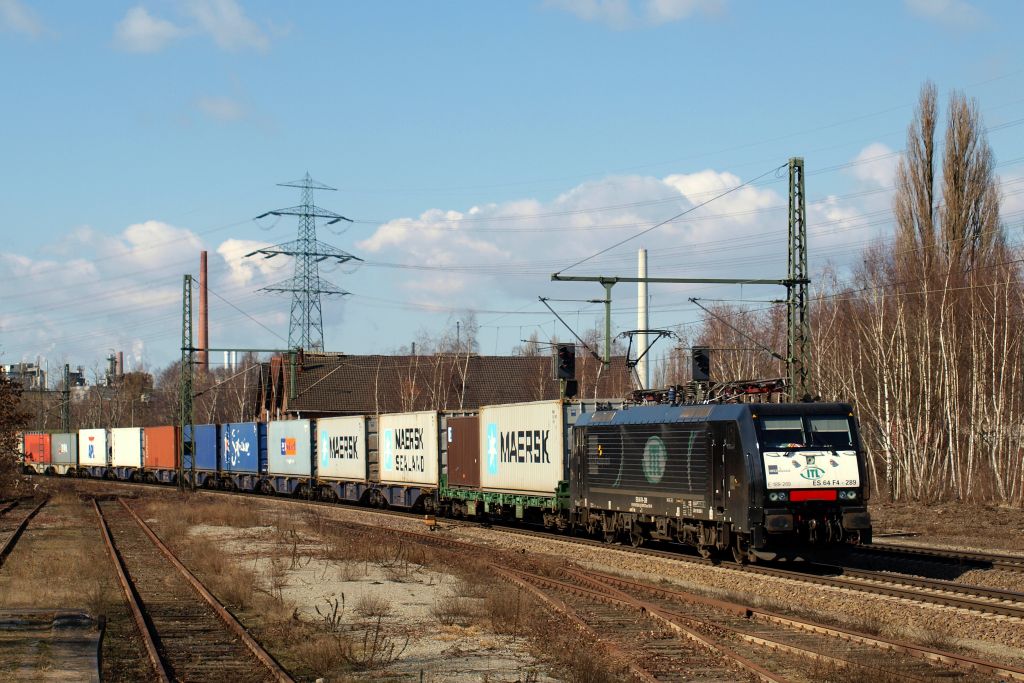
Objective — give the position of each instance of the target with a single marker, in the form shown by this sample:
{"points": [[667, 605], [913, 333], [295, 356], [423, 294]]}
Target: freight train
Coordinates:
{"points": [[762, 480]]}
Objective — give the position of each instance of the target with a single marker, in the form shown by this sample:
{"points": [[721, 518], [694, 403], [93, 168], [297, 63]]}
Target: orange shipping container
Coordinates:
{"points": [[161, 447], [37, 448]]}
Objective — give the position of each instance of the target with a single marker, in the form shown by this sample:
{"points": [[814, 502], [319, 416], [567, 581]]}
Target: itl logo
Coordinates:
{"points": [[812, 473]]}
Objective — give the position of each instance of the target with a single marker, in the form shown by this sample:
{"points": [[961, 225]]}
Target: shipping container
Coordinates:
{"points": [[126, 447], [243, 448], [463, 441], [64, 449], [93, 448], [522, 447], [341, 448], [37, 448], [288, 448], [160, 448], [205, 448], [408, 448]]}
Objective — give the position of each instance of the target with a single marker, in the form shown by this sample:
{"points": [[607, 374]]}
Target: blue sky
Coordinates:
{"points": [[488, 144]]}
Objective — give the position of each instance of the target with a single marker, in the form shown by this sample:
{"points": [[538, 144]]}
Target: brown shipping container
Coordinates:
{"points": [[464, 451], [37, 448], [161, 447]]}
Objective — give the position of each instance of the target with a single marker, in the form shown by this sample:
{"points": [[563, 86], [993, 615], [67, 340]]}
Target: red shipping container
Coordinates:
{"points": [[37, 448], [161, 447]]}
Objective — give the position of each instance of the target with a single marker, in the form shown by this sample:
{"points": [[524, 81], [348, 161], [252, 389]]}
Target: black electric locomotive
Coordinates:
{"points": [[763, 480]]}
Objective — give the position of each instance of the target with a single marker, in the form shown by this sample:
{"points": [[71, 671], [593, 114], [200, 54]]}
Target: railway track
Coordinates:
{"points": [[187, 633], [910, 588], [746, 642], [913, 588], [784, 643], [12, 527]]}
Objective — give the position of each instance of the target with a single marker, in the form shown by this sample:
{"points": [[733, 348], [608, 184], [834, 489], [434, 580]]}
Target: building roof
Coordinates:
{"points": [[336, 384]]}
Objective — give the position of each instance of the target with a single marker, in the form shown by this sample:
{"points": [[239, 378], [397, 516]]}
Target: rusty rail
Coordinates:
{"points": [[9, 544], [229, 620], [132, 599]]}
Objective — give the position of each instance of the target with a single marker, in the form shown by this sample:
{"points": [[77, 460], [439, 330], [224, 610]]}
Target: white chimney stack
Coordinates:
{"points": [[642, 369]]}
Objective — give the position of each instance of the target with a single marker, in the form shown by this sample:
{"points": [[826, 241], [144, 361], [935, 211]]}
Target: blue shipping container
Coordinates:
{"points": [[205, 449], [243, 447]]}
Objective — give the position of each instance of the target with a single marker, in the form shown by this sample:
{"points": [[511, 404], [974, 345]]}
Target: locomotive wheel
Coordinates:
{"points": [[739, 553], [705, 551], [636, 537]]}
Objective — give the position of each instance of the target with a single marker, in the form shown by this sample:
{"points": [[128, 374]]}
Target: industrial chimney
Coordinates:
{"points": [[204, 317], [642, 369]]}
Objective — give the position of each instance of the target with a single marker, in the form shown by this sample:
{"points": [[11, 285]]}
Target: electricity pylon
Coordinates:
{"points": [[306, 327]]}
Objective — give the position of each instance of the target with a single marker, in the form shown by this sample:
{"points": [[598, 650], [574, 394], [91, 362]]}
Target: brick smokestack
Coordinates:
{"points": [[204, 315], [120, 363]]}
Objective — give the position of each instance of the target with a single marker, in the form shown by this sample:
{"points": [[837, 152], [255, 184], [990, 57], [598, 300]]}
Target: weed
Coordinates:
{"points": [[453, 611], [376, 650], [371, 606], [504, 608], [333, 614]]}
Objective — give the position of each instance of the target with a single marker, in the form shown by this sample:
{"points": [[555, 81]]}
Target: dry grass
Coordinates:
{"points": [[454, 611], [503, 607], [373, 606]]}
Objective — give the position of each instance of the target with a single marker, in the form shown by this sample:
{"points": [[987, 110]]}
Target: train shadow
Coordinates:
{"points": [[893, 561]]}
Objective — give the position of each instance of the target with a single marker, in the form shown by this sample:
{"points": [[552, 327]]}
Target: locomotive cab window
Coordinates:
{"points": [[783, 432], [831, 432], [812, 431]]}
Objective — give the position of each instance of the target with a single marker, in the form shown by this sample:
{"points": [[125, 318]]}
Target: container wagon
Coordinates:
{"points": [[36, 452], [63, 453], [289, 458], [93, 453], [243, 456], [126, 457], [161, 454], [519, 467], [205, 451], [342, 458]]}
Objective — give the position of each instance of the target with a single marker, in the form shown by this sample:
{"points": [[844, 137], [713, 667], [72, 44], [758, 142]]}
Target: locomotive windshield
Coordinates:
{"points": [[809, 431]]}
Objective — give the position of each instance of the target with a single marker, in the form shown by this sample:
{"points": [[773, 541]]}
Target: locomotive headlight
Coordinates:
{"points": [[777, 496], [847, 495], [773, 496]]}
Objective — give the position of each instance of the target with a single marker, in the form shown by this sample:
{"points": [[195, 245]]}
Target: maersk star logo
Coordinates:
{"points": [[492, 448], [389, 458]]}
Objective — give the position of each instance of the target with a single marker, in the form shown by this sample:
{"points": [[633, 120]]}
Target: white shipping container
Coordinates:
{"points": [[341, 448], [407, 448], [92, 448], [288, 448], [126, 447], [522, 447]]}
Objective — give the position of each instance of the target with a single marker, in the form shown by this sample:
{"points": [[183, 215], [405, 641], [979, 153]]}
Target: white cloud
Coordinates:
{"points": [[16, 18], [621, 14], [222, 108], [876, 165], [140, 31], [954, 13], [533, 238], [226, 23], [222, 20]]}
